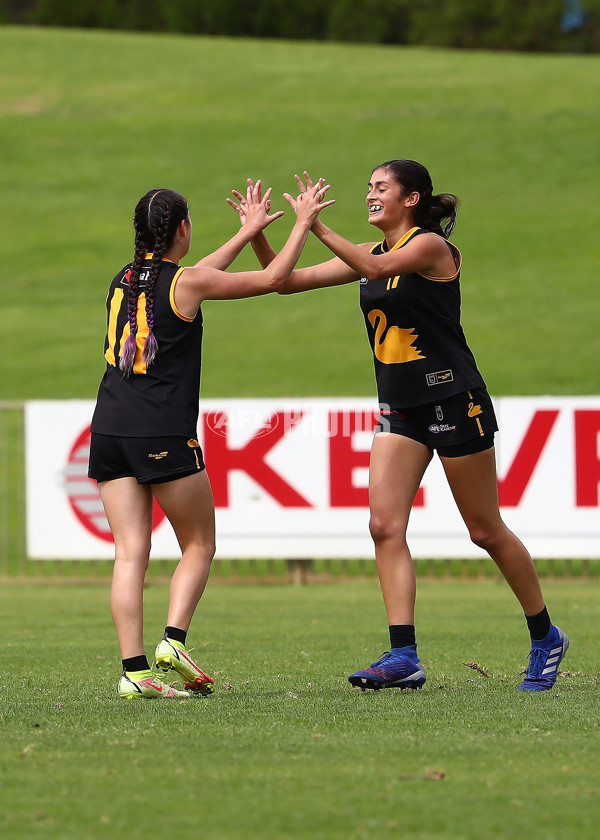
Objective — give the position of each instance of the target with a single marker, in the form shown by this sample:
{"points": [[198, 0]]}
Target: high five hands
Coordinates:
{"points": [[255, 209], [308, 191]]}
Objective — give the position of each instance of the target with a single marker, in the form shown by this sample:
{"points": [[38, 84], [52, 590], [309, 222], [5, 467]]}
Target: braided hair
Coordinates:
{"points": [[156, 219], [436, 213]]}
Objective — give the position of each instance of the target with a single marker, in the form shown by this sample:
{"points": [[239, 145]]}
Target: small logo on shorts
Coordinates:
{"points": [[193, 443], [439, 413], [439, 377], [435, 429], [474, 410], [157, 455]]}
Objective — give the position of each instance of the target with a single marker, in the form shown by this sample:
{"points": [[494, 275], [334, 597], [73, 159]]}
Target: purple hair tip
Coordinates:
{"points": [[128, 355], [150, 348]]}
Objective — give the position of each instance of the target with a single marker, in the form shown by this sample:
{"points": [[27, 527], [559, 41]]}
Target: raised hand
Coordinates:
{"points": [[254, 209], [309, 202]]}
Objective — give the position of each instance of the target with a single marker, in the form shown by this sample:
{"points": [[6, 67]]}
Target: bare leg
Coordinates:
{"points": [[128, 509], [397, 467], [188, 504], [472, 480]]}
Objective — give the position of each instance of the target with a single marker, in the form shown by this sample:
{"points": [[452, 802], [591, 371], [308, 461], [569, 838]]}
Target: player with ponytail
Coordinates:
{"points": [[143, 443], [432, 398]]}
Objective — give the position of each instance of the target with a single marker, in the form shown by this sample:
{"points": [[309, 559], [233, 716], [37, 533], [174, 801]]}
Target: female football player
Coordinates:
{"points": [[432, 399], [143, 443]]}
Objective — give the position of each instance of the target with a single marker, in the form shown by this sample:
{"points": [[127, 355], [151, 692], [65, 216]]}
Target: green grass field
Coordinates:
{"points": [[91, 120], [286, 749]]}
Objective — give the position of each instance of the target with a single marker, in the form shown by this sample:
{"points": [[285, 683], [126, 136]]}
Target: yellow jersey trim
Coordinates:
{"points": [[445, 279], [172, 297], [393, 281], [164, 259], [399, 243], [403, 239]]}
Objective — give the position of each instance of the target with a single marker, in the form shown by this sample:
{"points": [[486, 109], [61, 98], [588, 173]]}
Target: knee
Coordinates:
{"points": [[199, 549], [137, 553], [384, 527], [210, 553], [486, 536], [207, 549]]}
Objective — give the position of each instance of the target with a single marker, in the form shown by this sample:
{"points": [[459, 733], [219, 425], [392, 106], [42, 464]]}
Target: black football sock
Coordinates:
{"points": [[402, 635], [135, 663], [176, 633], [539, 625]]}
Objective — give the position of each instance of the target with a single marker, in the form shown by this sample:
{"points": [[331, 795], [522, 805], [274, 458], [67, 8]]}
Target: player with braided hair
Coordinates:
{"points": [[156, 217], [143, 442]]}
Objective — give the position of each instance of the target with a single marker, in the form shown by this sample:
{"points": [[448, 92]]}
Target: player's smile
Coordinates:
{"points": [[375, 209], [382, 196]]}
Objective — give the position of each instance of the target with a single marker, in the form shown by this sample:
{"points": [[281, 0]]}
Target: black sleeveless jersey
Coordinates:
{"points": [[413, 324], [161, 398]]}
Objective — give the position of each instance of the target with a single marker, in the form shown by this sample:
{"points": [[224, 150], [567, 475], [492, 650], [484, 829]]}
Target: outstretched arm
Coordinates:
{"points": [[427, 254], [198, 284], [257, 217], [331, 273]]}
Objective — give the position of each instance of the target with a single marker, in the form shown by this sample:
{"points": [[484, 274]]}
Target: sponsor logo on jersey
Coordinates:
{"points": [[439, 377], [444, 427], [144, 275]]}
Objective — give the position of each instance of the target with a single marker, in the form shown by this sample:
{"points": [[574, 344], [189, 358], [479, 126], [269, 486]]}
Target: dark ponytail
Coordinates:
{"points": [[156, 219], [436, 213]]}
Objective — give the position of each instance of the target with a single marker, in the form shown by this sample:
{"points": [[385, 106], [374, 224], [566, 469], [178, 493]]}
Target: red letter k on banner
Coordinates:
{"points": [[221, 459]]}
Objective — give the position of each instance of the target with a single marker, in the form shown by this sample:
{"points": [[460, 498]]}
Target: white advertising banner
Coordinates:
{"points": [[290, 478]]}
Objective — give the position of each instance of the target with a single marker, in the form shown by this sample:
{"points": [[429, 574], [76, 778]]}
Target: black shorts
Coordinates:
{"points": [[459, 425], [150, 460]]}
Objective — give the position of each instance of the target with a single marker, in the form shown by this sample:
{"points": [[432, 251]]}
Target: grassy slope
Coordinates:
{"points": [[286, 749], [90, 120]]}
